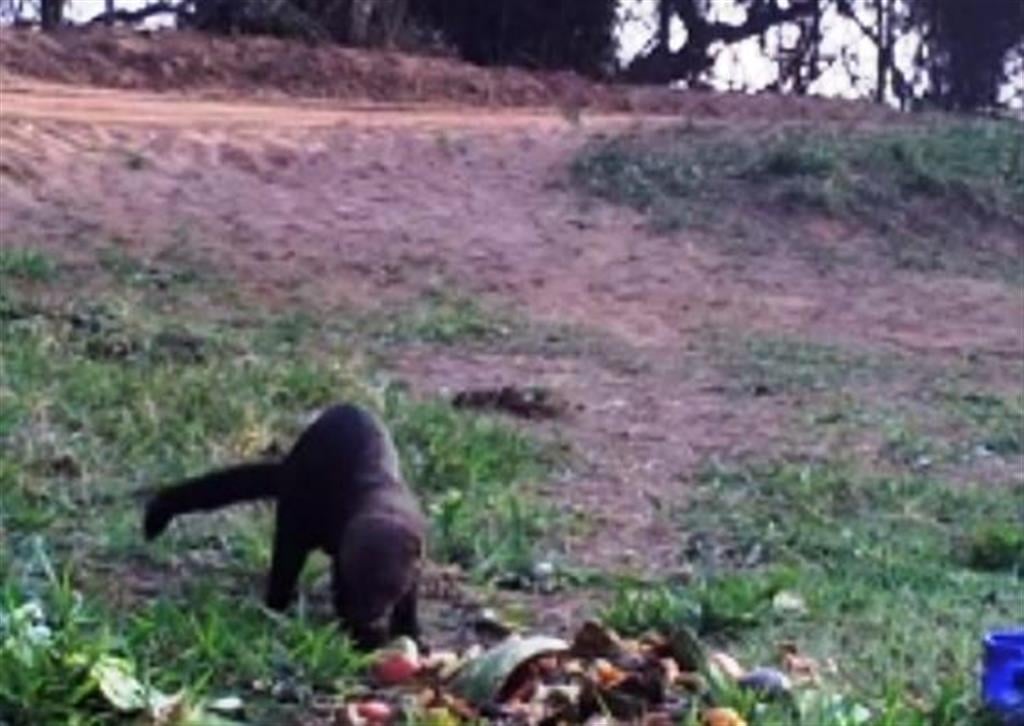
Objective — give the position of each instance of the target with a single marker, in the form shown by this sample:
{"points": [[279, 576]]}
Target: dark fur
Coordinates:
{"points": [[338, 490]]}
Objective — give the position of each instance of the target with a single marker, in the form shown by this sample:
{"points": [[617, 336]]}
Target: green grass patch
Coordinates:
{"points": [[169, 268], [948, 425], [997, 546], [203, 641], [26, 264], [464, 465], [924, 191], [899, 578], [101, 398], [777, 364], [996, 422], [443, 318]]}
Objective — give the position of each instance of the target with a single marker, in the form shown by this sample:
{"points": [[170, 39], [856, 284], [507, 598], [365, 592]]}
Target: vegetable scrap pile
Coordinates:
{"points": [[597, 678]]}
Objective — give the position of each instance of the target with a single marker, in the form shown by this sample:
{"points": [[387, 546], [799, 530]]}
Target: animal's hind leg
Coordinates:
{"points": [[288, 560]]}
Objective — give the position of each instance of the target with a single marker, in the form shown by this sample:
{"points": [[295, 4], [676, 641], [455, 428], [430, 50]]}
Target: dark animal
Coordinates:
{"points": [[338, 490]]}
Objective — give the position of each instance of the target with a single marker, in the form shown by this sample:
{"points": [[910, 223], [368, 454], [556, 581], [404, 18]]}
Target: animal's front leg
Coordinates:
{"points": [[404, 616]]}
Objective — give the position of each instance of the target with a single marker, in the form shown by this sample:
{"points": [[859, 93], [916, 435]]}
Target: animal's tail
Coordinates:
{"points": [[217, 489]]}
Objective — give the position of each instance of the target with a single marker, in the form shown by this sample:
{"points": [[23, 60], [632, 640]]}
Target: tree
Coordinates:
{"points": [[51, 13], [962, 47], [562, 34], [965, 47]]}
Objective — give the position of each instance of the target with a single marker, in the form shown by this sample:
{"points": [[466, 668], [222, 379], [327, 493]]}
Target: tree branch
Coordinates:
{"points": [[846, 9], [660, 65], [760, 19], [135, 16]]}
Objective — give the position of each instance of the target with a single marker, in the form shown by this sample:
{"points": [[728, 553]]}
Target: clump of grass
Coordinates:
{"points": [[168, 269], [716, 606], [464, 465], [445, 319], [772, 364], [52, 636], [981, 163], [45, 654], [901, 183], [26, 264], [791, 157], [997, 546], [997, 423]]}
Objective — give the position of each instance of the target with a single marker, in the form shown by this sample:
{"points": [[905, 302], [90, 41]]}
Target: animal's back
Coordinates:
{"points": [[348, 441], [340, 459]]}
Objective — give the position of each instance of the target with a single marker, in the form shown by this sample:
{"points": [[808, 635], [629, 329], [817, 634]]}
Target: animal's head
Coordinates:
{"points": [[379, 563]]}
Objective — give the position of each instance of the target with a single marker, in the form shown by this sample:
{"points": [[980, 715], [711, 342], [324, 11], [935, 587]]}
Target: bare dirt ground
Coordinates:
{"points": [[346, 205]]}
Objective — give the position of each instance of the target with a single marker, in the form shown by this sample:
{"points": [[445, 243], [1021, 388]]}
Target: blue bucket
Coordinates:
{"points": [[1002, 678]]}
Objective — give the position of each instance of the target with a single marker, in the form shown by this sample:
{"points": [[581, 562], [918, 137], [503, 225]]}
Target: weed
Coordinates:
{"points": [[907, 446], [52, 636], [462, 463], [162, 272], [771, 364], [26, 264], [792, 157], [722, 605], [997, 546], [443, 318], [997, 423]]}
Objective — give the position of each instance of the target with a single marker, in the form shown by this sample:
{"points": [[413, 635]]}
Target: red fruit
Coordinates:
{"points": [[374, 711], [393, 668]]}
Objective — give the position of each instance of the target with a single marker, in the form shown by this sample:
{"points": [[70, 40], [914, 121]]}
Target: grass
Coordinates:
{"points": [[766, 364], [448, 318], [204, 640], [900, 577], [997, 422], [927, 192], [897, 412], [26, 264], [171, 267], [444, 318], [103, 396]]}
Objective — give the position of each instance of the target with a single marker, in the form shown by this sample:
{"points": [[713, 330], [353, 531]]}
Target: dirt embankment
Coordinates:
{"points": [[269, 67]]}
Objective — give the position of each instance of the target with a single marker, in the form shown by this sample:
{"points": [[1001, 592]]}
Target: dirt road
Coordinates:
{"points": [[29, 99]]}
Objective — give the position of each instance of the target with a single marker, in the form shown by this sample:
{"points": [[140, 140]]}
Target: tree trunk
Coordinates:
{"points": [[51, 13], [359, 21], [881, 65], [664, 24]]}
